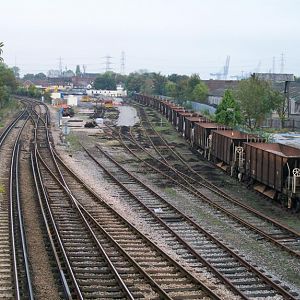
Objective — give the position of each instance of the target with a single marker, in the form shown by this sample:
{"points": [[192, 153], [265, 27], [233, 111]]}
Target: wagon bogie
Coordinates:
{"points": [[274, 167]]}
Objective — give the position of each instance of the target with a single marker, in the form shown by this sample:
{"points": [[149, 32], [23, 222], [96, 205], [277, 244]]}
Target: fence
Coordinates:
{"points": [[276, 123]]}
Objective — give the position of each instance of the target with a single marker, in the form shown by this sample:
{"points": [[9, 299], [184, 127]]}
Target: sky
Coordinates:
{"points": [[167, 36]]}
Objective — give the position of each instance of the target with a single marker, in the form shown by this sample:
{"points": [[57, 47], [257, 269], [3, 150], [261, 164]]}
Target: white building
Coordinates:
{"points": [[119, 92], [72, 100]]}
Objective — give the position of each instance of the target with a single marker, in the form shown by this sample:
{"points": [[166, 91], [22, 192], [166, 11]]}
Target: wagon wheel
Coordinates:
{"points": [[296, 172], [239, 149]]}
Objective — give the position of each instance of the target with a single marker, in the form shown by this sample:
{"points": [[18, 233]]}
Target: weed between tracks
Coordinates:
{"points": [[9, 109], [2, 189], [73, 141], [170, 191]]}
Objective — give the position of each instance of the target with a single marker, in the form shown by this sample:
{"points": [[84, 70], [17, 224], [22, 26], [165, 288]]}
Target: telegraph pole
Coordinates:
{"points": [[122, 69], [60, 66], [107, 63], [282, 63]]}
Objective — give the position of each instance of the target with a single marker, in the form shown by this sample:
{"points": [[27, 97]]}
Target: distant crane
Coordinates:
{"points": [[224, 73], [245, 75], [257, 70]]}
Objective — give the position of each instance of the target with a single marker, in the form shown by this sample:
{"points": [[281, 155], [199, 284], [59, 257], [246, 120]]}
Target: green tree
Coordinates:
{"points": [[148, 86], [105, 81], [255, 100], [280, 105], [7, 77], [182, 87], [134, 82], [171, 89], [16, 71], [34, 92], [28, 76], [228, 111], [158, 83], [192, 82], [176, 78], [200, 92], [8, 84], [78, 72], [4, 95], [68, 73], [40, 76], [1, 51]]}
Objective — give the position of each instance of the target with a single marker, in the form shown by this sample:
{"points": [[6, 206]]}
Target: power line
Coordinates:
{"points": [[107, 63]]}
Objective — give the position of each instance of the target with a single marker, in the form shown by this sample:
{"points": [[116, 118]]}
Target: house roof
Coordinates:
{"points": [[218, 87], [294, 89]]}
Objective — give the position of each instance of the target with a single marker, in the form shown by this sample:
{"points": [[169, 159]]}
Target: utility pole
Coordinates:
{"points": [[60, 66], [122, 69], [282, 64], [273, 65], [107, 63]]}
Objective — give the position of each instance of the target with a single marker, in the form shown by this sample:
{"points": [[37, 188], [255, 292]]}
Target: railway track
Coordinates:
{"points": [[194, 241], [191, 180], [103, 255], [15, 278]]}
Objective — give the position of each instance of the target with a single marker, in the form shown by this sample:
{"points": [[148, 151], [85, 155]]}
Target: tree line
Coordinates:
{"points": [[8, 84], [250, 104], [181, 87]]}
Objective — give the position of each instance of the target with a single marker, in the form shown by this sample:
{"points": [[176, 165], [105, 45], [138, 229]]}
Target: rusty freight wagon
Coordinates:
{"points": [[275, 169], [175, 115], [190, 124], [162, 107], [181, 120], [155, 102], [138, 98], [227, 147], [166, 107], [202, 135], [169, 109]]}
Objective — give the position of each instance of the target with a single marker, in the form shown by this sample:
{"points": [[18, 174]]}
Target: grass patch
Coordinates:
{"points": [[73, 142], [170, 191], [111, 143], [8, 110], [2, 189]]}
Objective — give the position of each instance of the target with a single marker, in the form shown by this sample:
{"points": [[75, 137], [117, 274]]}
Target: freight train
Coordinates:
{"points": [[272, 169]]}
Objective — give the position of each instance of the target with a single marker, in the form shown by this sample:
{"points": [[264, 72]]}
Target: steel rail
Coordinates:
{"points": [[189, 187], [50, 232], [83, 218], [7, 130], [219, 191], [73, 199], [22, 229], [189, 247], [210, 292], [248, 265], [14, 193], [230, 214]]}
